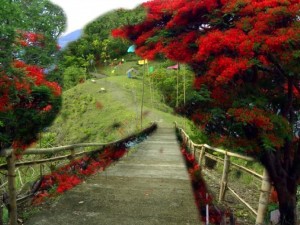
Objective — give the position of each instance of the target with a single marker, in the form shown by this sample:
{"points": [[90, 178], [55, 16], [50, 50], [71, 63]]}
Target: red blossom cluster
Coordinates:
{"points": [[74, 173], [27, 89], [36, 75], [255, 117], [26, 38], [33, 77], [193, 32], [245, 55], [23, 85]]}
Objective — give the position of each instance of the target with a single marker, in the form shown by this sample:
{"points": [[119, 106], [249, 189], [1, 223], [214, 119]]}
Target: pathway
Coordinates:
{"points": [[150, 186]]}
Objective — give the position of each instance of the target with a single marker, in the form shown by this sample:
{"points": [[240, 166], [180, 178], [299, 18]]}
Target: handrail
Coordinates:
{"points": [[11, 165], [41, 151], [265, 190]]}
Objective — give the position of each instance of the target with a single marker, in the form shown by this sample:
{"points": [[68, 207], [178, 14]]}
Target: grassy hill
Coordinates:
{"points": [[91, 115]]}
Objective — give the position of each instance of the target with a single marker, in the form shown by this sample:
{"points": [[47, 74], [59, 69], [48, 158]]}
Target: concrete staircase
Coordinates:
{"points": [[149, 186]]}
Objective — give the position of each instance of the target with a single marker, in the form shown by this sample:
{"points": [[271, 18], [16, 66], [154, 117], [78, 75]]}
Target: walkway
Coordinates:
{"points": [[148, 187]]}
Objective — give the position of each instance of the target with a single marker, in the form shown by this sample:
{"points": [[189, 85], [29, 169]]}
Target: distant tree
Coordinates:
{"points": [[41, 24], [97, 40], [245, 54]]}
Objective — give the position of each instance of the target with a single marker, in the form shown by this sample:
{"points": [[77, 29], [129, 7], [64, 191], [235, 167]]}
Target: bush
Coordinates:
{"points": [[73, 75]]}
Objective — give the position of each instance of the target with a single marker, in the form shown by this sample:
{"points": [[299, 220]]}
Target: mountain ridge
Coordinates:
{"points": [[64, 40]]}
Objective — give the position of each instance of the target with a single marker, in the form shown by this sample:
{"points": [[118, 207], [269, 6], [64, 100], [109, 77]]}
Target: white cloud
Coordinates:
{"points": [[81, 12]]}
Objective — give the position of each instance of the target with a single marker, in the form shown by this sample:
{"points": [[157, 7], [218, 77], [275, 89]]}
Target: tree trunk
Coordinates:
{"points": [[287, 202], [284, 172]]}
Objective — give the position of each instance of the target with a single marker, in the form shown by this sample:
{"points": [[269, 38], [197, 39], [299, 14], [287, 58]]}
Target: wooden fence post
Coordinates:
{"points": [[223, 184], [72, 154], [193, 148], [263, 199], [1, 210], [12, 189], [181, 134], [201, 155]]}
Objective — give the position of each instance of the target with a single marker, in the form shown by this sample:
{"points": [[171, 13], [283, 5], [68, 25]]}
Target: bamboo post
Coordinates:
{"points": [[184, 88], [223, 184], [264, 198], [177, 86], [184, 95], [201, 155], [193, 149], [72, 154], [1, 211], [41, 170], [151, 91], [12, 189], [143, 93]]}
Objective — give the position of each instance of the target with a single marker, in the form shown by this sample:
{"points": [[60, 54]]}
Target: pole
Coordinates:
{"points": [[224, 181], [177, 86], [184, 87], [143, 92], [151, 89], [263, 199], [12, 189], [184, 96]]}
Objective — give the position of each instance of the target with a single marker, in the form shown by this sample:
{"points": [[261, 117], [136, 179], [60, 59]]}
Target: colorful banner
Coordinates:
{"points": [[131, 48], [142, 62], [151, 69], [175, 67]]}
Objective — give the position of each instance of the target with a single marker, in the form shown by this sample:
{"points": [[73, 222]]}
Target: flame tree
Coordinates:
{"points": [[28, 101], [245, 54]]}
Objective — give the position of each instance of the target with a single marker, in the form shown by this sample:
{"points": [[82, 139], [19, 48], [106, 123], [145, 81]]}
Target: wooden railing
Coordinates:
{"points": [[74, 150], [200, 151]]}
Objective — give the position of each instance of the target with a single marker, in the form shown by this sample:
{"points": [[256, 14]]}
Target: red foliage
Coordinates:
{"points": [[74, 173], [26, 38], [255, 116], [246, 54], [17, 94]]}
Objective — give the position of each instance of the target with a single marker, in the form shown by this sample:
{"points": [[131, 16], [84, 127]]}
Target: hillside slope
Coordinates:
{"points": [[91, 115]]}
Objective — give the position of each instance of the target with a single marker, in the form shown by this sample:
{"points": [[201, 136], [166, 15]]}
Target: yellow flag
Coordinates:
{"points": [[142, 62]]}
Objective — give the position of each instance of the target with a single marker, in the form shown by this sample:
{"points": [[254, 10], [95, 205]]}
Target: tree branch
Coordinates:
{"points": [[277, 65]]}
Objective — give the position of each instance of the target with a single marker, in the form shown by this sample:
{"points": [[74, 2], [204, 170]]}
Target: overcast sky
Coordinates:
{"points": [[81, 12]]}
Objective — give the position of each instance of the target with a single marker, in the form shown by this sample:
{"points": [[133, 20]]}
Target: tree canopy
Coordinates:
{"points": [[97, 43], [28, 100], [245, 55]]}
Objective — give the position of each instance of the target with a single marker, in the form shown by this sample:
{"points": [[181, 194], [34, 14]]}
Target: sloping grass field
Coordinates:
{"points": [[107, 109]]}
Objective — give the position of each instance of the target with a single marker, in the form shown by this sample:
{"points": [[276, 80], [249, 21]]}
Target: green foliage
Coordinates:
{"points": [[29, 102], [96, 46], [41, 17], [72, 76], [9, 15], [5, 216], [165, 80]]}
